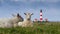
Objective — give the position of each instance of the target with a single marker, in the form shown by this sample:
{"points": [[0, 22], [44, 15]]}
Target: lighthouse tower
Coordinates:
{"points": [[41, 19]]}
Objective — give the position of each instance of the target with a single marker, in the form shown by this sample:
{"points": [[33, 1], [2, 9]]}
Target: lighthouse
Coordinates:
{"points": [[41, 19]]}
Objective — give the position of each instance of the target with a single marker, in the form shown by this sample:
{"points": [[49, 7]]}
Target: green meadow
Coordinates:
{"points": [[38, 28]]}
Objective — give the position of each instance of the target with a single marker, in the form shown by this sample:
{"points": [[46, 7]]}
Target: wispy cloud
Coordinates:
{"points": [[19, 0], [14, 0], [49, 1]]}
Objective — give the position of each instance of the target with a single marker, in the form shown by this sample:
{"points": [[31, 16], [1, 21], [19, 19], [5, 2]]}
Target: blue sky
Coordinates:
{"points": [[50, 8]]}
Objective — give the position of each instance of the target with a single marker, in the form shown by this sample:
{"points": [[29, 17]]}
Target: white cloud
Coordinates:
{"points": [[53, 1], [15, 0], [19, 0], [50, 1]]}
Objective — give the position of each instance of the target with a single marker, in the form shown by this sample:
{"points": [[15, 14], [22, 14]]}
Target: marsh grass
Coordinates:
{"points": [[50, 28]]}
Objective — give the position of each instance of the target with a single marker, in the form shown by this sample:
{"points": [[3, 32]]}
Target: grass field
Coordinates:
{"points": [[43, 28]]}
